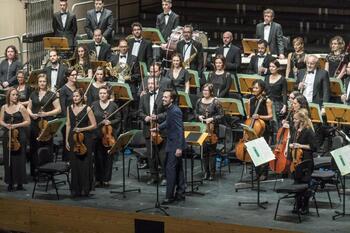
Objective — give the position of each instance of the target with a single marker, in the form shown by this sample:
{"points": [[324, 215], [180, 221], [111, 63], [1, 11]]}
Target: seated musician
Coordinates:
{"points": [[178, 75], [219, 78], [9, 67], [43, 106], [82, 62], [151, 109], [99, 50], [231, 53], [346, 96], [191, 51], [139, 46], [336, 58], [259, 63], [209, 111], [56, 72], [167, 20], [296, 59], [304, 139]]}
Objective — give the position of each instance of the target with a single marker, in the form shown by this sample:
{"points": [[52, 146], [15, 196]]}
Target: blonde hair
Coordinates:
{"points": [[303, 116]]}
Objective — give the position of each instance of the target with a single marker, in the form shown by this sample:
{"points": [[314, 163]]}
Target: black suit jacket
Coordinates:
{"points": [[173, 22], [105, 23], [144, 110], [9, 74], [253, 64], [321, 90], [105, 51], [233, 58], [145, 51], [70, 29], [61, 75], [275, 42], [346, 86], [198, 61]]}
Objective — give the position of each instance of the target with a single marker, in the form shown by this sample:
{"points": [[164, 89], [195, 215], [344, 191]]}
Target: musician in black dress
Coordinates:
{"points": [[43, 106], [82, 61], [303, 138], [14, 117], [9, 67], [209, 111], [219, 78], [336, 57], [296, 59], [80, 120], [346, 96], [103, 108], [178, 74], [93, 92], [24, 90]]}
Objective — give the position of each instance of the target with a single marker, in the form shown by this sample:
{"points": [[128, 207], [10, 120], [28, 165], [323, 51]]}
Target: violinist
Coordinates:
{"points": [[304, 139], [14, 117], [106, 135], [82, 60], [151, 103], [80, 124], [43, 105], [23, 89], [92, 94], [209, 111], [346, 96]]}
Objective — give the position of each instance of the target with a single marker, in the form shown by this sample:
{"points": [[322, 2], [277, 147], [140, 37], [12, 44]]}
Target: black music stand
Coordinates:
{"points": [[52, 128], [122, 142], [194, 139], [245, 82]]}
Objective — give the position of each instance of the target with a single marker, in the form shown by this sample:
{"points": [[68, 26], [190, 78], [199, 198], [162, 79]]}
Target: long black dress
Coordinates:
{"points": [[15, 169], [81, 165], [221, 83], [103, 161], [180, 81], [66, 99]]}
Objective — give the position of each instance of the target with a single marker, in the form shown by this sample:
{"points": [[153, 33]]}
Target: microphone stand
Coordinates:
{"points": [[154, 150]]}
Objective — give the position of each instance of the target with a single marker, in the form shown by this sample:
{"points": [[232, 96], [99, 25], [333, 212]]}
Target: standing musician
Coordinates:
{"points": [[14, 118], [219, 78], [9, 67], [56, 72], [174, 147], [178, 75], [296, 59], [231, 53], [99, 18], [272, 33], [64, 23], [80, 124], [82, 61], [168, 20], [336, 58], [107, 132], [99, 50], [191, 51], [346, 96], [304, 139], [139, 46], [24, 90], [209, 111], [147, 111], [92, 94], [259, 63], [155, 71], [66, 92]]}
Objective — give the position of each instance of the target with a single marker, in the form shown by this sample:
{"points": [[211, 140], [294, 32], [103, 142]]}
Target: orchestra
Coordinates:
{"points": [[85, 91]]}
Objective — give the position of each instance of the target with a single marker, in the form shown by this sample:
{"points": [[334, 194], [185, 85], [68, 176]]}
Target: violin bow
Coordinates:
{"points": [[117, 110]]}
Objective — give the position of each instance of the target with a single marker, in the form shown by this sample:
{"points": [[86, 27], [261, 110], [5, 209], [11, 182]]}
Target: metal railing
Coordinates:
{"points": [[20, 45]]}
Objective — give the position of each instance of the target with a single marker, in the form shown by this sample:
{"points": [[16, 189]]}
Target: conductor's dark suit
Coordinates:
{"points": [[166, 29], [145, 50], [198, 61], [275, 41], [175, 140], [233, 58], [105, 24], [69, 31], [105, 51]]}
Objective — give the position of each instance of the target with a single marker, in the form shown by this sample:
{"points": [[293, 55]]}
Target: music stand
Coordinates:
{"points": [[122, 142], [52, 128], [250, 45], [84, 42], [315, 112], [57, 43], [342, 159], [245, 82], [194, 139], [33, 77], [336, 87], [290, 85], [232, 107], [153, 34], [233, 87], [121, 91], [337, 113], [260, 153], [184, 100], [83, 83], [195, 126]]}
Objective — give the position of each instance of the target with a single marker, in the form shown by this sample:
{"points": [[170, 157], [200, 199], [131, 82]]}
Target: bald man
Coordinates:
{"points": [[231, 52]]}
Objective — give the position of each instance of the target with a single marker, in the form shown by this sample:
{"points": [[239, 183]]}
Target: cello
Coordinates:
{"points": [[258, 126]]}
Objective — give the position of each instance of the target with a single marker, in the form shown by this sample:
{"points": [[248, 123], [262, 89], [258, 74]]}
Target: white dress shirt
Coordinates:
{"points": [[152, 99], [267, 32], [64, 19], [348, 91], [166, 17], [309, 86], [136, 47], [54, 74], [226, 49], [98, 16], [187, 51]]}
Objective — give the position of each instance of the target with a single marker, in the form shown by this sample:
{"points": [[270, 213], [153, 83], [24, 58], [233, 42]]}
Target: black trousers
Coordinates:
{"points": [[156, 157], [174, 175]]}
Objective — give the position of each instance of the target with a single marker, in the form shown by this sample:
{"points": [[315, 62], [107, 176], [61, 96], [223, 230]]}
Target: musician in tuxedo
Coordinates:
{"points": [[64, 23], [259, 63], [174, 148], [140, 47], [231, 53], [168, 20], [272, 33], [346, 96], [191, 51], [99, 18], [152, 109], [56, 72], [101, 49]]}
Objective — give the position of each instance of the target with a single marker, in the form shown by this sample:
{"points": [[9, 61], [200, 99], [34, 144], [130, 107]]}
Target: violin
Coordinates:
{"points": [[15, 144], [108, 139], [212, 137], [258, 126], [296, 155], [155, 136], [281, 162], [79, 146]]}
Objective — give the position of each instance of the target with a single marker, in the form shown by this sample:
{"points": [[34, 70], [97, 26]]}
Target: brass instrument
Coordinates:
{"points": [[122, 72], [92, 55], [188, 61], [80, 70]]}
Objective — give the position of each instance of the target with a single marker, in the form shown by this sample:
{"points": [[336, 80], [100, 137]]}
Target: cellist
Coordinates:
{"points": [[107, 129], [209, 111]]}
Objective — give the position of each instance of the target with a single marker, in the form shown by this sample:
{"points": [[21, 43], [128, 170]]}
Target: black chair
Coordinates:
{"points": [[224, 146], [138, 145], [47, 170], [292, 191]]}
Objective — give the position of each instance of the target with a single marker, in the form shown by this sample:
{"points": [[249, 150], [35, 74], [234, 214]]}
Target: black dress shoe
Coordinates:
{"points": [[151, 181], [180, 197], [20, 188], [10, 188], [206, 176], [211, 177], [168, 201]]}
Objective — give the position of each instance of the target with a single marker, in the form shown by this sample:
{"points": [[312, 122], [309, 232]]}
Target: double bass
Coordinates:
{"points": [[258, 125]]}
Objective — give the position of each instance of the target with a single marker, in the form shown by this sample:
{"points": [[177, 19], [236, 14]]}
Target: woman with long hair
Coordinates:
{"points": [[335, 58], [178, 74], [24, 90], [219, 78], [82, 62], [297, 59]]}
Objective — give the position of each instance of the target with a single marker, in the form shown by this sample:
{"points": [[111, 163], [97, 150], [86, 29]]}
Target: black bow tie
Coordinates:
{"points": [[311, 72], [261, 56], [267, 24], [63, 13], [153, 93], [227, 46], [98, 12], [137, 41], [122, 56], [97, 45], [166, 14], [188, 43], [54, 69]]}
